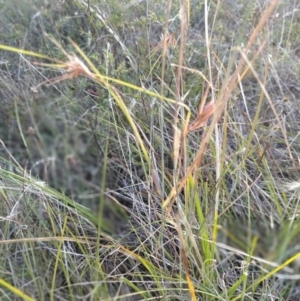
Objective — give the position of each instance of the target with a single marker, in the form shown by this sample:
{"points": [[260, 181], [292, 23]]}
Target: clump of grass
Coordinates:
{"points": [[208, 215]]}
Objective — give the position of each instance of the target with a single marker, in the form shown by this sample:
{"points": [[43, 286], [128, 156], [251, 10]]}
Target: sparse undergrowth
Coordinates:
{"points": [[149, 151]]}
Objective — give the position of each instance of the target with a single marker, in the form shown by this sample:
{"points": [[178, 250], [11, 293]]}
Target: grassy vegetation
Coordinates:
{"points": [[149, 150]]}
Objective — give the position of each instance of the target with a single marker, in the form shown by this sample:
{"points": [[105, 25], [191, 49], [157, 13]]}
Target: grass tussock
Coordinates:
{"points": [[149, 151]]}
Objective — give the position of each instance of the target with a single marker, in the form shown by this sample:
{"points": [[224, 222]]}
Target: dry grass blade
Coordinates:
{"points": [[107, 192], [165, 43], [185, 259], [203, 117], [74, 67], [204, 112], [226, 91]]}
